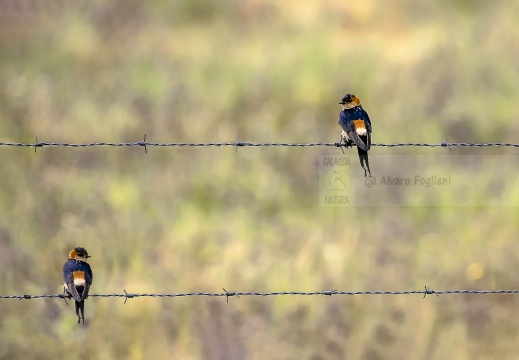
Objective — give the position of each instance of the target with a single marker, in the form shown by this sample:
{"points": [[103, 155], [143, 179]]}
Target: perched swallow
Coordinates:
{"points": [[356, 128], [77, 276]]}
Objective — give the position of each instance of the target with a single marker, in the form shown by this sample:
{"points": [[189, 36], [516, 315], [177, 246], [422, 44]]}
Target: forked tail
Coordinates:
{"points": [[364, 161], [80, 311]]}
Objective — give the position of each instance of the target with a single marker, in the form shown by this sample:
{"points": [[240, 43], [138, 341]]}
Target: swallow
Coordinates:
{"points": [[356, 126], [77, 276]]}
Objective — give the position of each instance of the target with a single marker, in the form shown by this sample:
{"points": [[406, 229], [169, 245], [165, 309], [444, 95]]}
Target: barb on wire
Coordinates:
{"points": [[37, 144], [426, 291], [143, 144], [230, 293], [127, 296], [446, 144], [237, 144]]}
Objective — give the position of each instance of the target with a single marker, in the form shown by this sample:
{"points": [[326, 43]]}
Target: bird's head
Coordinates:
{"points": [[349, 101], [79, 254]]}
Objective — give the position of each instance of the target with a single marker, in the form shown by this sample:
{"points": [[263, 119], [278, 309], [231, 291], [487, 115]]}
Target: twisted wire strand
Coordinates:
{"points": [[146, 144], [426, 291]]}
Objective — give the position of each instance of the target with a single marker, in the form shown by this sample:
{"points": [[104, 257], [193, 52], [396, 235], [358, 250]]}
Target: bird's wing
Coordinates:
{"points": [[67, 273], [367, 123], [68, 277], [367, 120], [86, 289], [88, 281], [73, 291], [362, 142], [89, 277], [345, 124]]}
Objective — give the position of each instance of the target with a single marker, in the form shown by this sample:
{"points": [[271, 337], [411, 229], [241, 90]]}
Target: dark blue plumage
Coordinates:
{"points": [[347, 116], [356, 126], [77, 276]]}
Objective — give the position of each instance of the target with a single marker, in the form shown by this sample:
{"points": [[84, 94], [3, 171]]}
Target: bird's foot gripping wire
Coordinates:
{"points": [[66, 293], [346, 141]]}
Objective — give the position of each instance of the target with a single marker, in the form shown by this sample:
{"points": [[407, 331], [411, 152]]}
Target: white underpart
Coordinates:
{"points": [[361, 131], [79, 282]]}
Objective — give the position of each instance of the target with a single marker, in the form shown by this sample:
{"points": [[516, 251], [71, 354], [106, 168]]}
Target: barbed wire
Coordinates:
{"points": [[227, 294], [145, 144]]}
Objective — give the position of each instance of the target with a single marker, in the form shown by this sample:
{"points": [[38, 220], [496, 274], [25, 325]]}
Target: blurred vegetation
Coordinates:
{"points": [[249, 220]]}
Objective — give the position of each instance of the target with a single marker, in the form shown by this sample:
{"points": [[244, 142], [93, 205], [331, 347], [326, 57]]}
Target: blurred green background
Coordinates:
{"points": [[180, 220]]}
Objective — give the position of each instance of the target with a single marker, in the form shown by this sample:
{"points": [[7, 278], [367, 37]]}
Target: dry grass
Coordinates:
{"points": [[199, 220]]}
